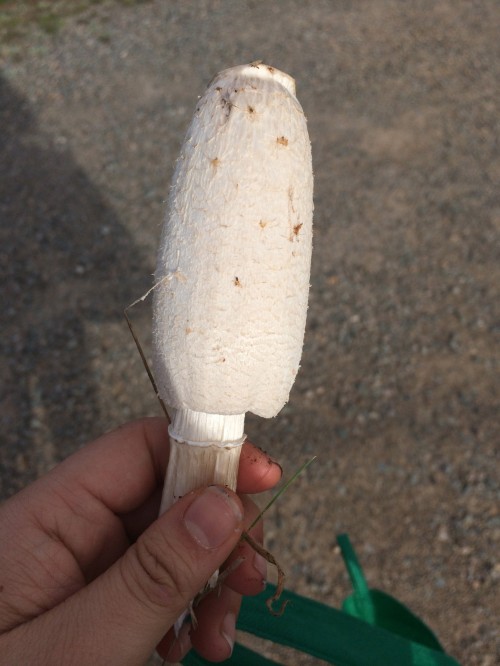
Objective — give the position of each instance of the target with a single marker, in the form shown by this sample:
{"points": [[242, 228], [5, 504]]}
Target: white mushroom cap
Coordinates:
{"points": [[234, 260]]}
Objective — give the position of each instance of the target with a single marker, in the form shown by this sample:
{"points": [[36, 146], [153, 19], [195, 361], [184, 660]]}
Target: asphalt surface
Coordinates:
{"points": [[398, 394]]}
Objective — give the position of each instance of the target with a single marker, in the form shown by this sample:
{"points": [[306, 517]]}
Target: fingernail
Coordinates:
{"points": [[213, 517], [228, 631], [273, 463], [276, 463], [260, 566]]}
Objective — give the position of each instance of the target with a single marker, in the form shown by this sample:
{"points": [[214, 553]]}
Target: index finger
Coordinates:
{"points": [[124, 467]]}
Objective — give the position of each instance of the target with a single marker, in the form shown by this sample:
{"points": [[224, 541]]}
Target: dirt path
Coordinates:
{"points": [[399, 388]]}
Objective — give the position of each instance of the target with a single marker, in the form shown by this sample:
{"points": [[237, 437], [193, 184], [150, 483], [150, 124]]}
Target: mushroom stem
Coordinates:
{"points": [[204, 449]]}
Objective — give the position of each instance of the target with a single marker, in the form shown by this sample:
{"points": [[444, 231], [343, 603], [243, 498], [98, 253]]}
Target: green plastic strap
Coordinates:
{"points": [[334, 636], [380, 609], [328, 634], [358, 580], [362, 597], [373, 629]]}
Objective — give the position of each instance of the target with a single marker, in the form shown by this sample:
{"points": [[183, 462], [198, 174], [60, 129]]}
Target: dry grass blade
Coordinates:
{"points": [[143, 358], [269, 557], [283, 489]]}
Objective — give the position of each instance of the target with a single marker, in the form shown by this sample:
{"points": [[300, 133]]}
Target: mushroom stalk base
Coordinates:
{"points": [[198, 457], [191, 466], [204, 450]]}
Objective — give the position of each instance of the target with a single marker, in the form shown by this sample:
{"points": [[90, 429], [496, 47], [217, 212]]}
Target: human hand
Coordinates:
{"points": [[90, 576]]}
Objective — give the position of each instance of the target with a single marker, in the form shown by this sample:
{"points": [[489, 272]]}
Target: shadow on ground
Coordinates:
{"points": [[65, 261]]}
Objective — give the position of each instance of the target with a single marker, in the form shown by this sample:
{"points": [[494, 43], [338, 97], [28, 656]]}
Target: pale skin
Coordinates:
{"points": [[90, 576]]}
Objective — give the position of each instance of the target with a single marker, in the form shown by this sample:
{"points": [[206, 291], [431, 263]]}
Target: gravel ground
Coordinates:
{"points": [[398, 394]]}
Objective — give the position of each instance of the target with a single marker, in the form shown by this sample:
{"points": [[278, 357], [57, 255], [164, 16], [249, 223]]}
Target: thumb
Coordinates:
{"points": [[121, 616]]}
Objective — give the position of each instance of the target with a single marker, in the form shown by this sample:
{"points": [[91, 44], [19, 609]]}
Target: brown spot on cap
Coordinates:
{"points": [[263, 224], [237, 282], [215, 162], [282, 140], [250, 109], [228, 105], [296, 229]]}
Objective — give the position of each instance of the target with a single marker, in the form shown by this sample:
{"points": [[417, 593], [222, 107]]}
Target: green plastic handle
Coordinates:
{"points": [[378, 608], [326, 633], [373, 629]]}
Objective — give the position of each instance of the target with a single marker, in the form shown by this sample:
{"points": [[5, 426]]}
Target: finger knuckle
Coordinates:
{"points": [[158, 574]]}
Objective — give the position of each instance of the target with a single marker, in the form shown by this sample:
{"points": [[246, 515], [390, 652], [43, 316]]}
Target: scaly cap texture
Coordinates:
{"points": [[234, 261]]}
